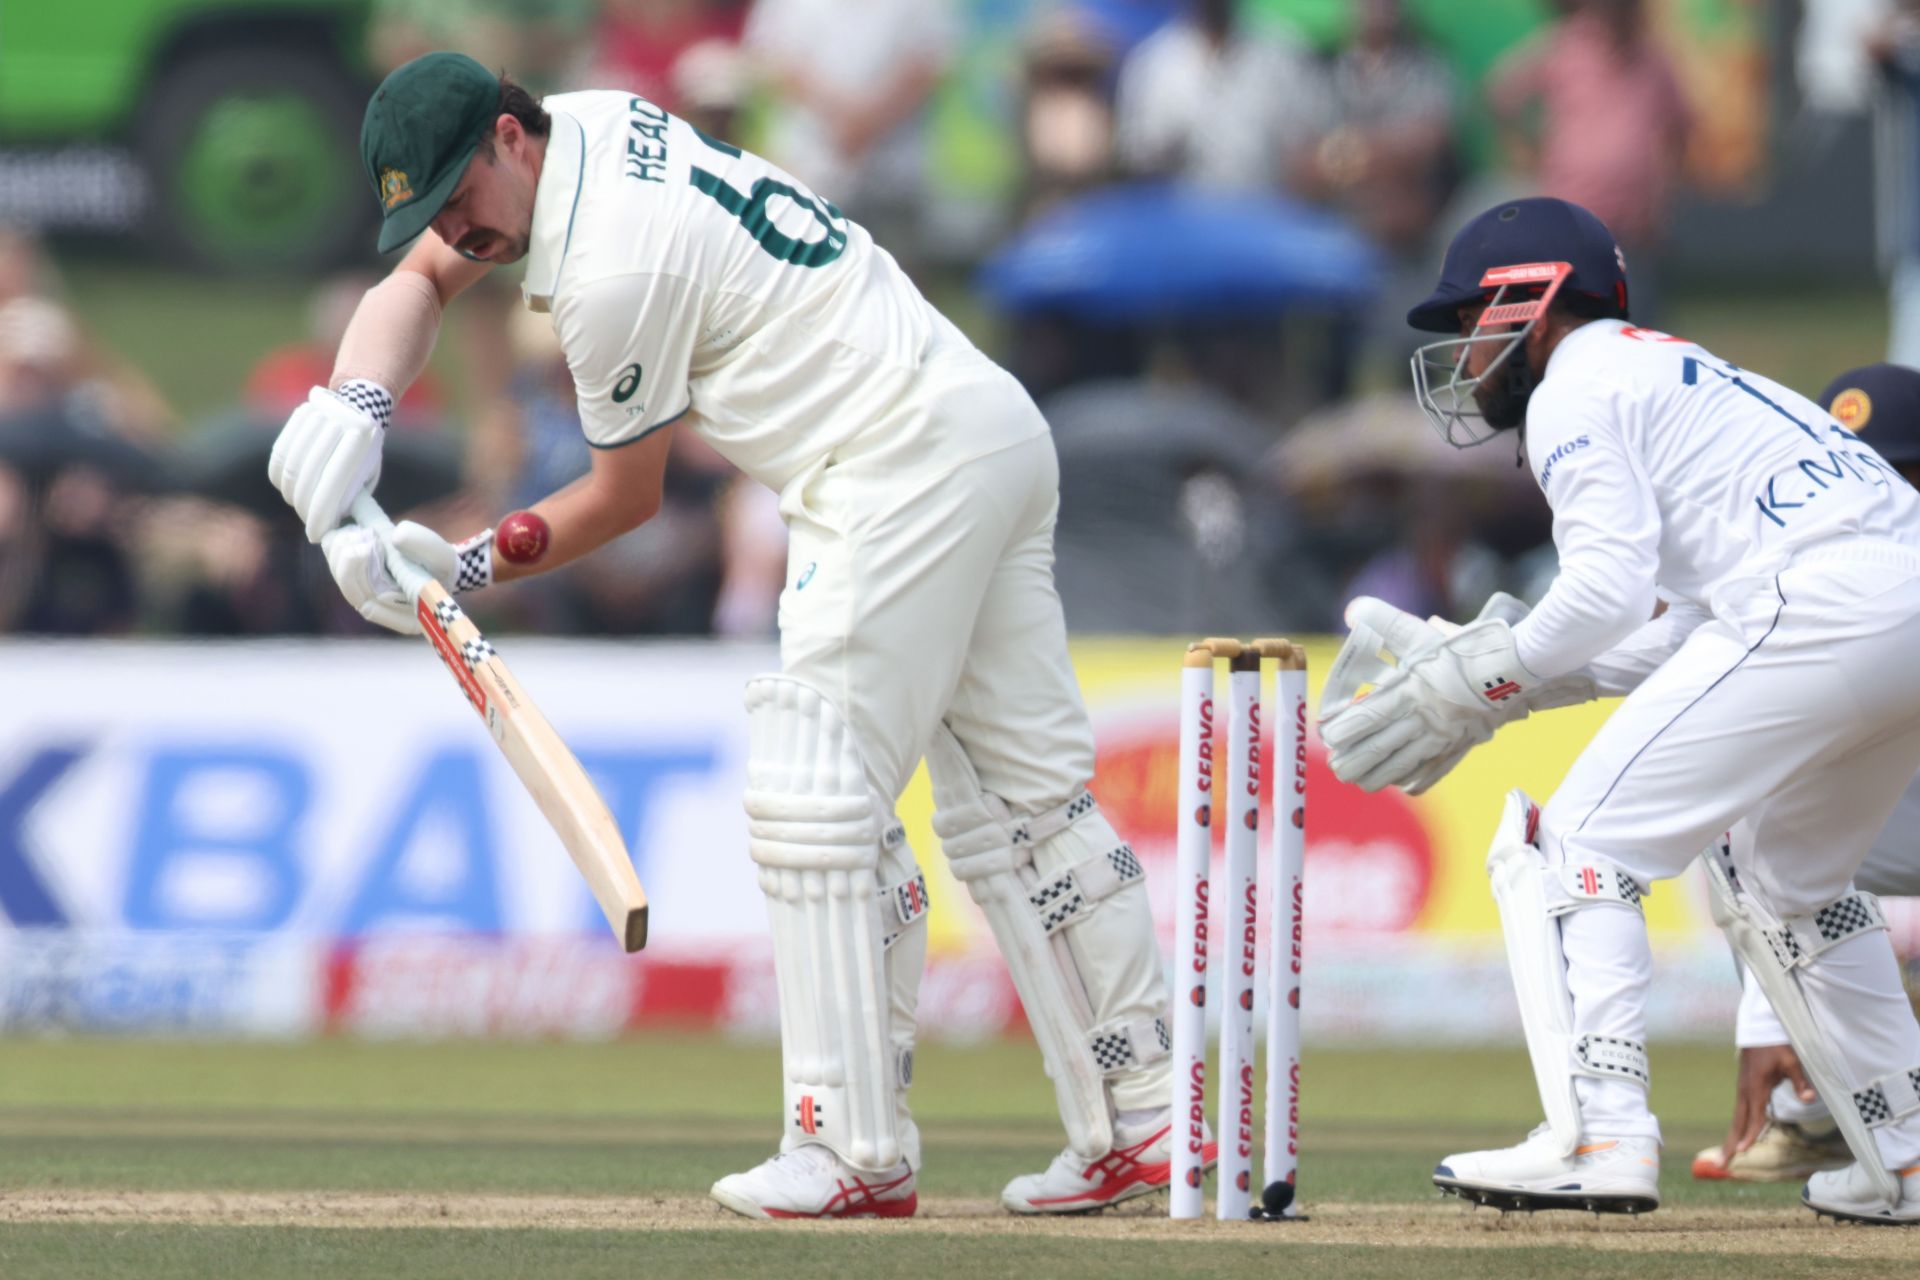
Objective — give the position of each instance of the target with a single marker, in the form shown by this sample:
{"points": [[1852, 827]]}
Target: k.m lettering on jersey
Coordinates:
{"points": [[1835, 467], [1810, 478]]}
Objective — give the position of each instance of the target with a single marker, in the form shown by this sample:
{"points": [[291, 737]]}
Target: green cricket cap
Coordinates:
{"points": [[421, 129]]}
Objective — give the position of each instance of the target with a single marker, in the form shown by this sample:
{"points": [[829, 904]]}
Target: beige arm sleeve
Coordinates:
{"points": [[391, 333]]}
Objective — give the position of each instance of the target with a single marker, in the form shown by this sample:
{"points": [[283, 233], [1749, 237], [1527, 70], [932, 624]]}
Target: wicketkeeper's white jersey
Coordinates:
{"points": [[685, 275], [1667, 465]]}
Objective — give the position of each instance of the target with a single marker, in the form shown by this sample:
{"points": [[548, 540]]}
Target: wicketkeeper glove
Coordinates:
{"points": [[1452, 688]]}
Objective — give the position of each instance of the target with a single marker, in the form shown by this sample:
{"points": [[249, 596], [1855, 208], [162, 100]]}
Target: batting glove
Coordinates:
{"points": [[329, 453], [357, 557]]}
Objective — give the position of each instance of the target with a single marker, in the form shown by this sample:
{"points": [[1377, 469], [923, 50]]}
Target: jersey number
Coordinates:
{"points": [[1691, 369], [751, 210]]}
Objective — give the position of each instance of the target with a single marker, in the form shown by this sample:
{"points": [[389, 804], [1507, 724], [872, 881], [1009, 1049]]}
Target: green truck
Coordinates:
{"points": [[226, 132]]}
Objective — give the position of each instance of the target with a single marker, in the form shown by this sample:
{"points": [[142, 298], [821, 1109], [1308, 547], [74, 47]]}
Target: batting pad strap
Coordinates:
{"points": [[1119, 1047], [1894, 1096], [1071, 896], [901, 905], [1032, 830], [1799, 939], [1610, 1056], [1583, 884]]}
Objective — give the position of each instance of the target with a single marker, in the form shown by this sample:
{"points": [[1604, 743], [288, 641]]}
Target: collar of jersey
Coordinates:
{"points": [[556, 201], [1591, 331]]}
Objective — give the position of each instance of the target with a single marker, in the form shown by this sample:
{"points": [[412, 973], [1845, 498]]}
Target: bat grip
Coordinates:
{"points": [[368, 514]]}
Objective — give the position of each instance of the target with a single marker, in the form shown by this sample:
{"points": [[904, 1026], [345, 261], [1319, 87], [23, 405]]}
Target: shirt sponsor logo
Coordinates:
{"points": [[629, 383], [1571, 447]]}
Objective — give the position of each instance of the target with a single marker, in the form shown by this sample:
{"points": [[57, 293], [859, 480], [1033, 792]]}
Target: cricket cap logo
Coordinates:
{"points": [[1851, 409], [394, 187]]}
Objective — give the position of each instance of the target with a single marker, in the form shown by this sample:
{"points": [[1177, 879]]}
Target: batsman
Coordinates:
{"points": [[1747, 572], [695, 287]]}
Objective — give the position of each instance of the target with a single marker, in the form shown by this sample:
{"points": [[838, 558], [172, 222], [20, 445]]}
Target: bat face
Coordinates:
{"points": [[551, 774], [549, 771], [463, 661]]}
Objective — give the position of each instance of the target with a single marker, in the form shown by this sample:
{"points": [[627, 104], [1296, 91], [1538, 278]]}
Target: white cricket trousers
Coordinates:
{"points": [[912, 604], [1804, 718]]}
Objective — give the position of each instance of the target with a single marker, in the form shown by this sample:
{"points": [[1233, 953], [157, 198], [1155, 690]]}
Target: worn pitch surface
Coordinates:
{"points": [[158, 1159]]}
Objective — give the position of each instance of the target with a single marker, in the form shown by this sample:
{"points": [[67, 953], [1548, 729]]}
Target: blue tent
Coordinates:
{"points": [[1165, 252]]}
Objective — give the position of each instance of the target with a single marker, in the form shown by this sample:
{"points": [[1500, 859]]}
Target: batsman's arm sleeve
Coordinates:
{"points": [[391, 334], [629, 343]]}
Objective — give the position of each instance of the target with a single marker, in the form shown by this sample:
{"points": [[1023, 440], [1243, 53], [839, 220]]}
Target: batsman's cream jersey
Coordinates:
{"points": [[688, 277], [1667, 466]]}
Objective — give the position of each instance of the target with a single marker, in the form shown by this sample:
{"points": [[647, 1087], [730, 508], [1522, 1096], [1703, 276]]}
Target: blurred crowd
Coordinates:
{"points": [[1250, 468]]}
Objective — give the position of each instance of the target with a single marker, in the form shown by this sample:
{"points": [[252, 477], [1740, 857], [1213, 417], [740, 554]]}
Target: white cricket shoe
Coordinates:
{"points": [[1140, 1164], [1785, 1151], [1846, 1194], [1604, 1175], [812, 1182]]}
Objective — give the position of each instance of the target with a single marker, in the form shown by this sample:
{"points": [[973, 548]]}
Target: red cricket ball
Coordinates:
{"points": [[522, 538]]}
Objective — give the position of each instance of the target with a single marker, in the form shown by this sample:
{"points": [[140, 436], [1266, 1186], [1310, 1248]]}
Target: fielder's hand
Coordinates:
{"points": [[358, 560], [326, 455], [1761, 1068]]}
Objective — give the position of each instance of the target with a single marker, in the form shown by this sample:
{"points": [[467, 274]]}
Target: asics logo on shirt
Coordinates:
{"points": [[629, 383]]}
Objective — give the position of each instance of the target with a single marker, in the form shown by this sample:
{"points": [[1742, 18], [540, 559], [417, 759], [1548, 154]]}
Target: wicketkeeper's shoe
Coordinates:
{"points": [[813, 1182], [1846, 1194], [1140, 1163], [1603, 1175], [1785, 1151]]}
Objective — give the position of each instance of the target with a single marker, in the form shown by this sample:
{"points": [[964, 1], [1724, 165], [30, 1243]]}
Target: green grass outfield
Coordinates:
{"points": [[342, 1159]]}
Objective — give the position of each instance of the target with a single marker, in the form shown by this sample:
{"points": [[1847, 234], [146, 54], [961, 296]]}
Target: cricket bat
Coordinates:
{"points": [[548, 770]]}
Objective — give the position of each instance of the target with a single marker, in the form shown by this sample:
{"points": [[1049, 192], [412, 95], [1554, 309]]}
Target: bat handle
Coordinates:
{"points": [[368, 514]]}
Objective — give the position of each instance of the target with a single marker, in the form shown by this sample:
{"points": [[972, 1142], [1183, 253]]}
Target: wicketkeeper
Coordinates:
{"points": [[695, 287], [1747, 571]]}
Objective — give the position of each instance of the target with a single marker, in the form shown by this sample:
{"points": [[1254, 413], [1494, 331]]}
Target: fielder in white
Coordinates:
{"points": [[695, 287], [1747, 571]]}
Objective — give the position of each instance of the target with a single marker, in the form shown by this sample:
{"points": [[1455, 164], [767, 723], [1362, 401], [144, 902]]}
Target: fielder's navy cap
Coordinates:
{"points": [[421, 129], [1881, 404], [1538, 229]]}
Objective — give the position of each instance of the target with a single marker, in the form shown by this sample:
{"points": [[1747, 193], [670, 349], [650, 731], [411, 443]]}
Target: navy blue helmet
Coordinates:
{"points": [[1538, 229]]}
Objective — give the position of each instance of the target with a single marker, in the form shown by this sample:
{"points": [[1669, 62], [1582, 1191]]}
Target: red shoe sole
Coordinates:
{"points": [[881, 1209]]}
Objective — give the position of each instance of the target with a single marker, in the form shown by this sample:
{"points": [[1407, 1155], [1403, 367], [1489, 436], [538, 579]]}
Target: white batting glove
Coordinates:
{"points": [[329, 453], [357, 558]]}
